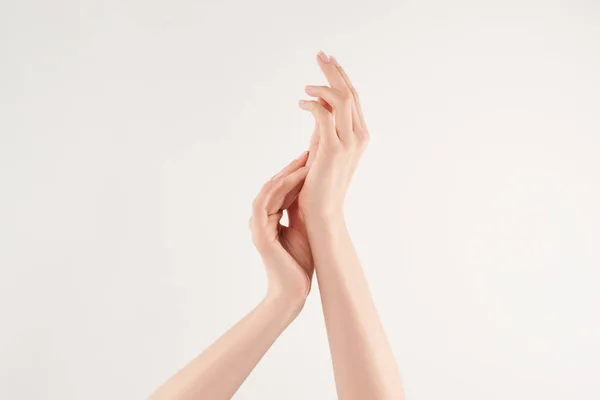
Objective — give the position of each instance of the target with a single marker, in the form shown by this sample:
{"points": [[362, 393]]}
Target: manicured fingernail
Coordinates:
{"points": [[309, 88], [324, 57], [335, 61], [302, 103], [302, 155]]}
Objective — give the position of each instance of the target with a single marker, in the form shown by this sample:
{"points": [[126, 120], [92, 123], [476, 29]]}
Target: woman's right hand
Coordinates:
{"points": [[340, 138], [284, 249]]}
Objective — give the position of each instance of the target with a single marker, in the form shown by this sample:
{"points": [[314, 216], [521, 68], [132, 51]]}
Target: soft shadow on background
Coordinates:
{"points": [[134, 136]]}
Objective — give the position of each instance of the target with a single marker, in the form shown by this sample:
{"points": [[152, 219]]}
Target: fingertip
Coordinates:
{"points": [[323, 57], [304, 104], [304, 154], [302, 158]]}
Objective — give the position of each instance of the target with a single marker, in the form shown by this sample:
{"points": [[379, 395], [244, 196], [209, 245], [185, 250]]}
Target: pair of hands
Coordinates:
{"points": [[311, 188]]}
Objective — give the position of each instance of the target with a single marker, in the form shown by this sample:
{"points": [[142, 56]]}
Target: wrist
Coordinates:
{"points": [[288, 283], [325, 222], [324, 217], [287, 303]]}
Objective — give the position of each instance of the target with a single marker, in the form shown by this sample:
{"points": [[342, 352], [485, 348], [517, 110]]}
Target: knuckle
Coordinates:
{"points": [[346, 101], [363, 143], [347, 96], [366, 136], [361, 133], [257, 206]]}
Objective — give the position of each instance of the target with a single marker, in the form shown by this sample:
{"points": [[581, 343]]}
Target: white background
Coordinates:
{"points": [[134, 136]]}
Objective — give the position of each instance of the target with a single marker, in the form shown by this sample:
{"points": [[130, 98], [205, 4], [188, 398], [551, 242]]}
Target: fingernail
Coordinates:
{"points": [[335, 61], [302, 155], [324, 57], [309, 88], [302, 103]]}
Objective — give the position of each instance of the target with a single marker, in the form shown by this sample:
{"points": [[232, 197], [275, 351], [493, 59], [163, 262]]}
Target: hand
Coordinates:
{"points": [[342, 138], [284, 249]]}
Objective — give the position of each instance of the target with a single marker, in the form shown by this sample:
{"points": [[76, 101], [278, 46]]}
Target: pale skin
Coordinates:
{"points": [[311, 189]]}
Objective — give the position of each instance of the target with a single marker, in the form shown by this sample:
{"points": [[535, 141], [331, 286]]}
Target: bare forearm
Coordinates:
{"points": [[222, 368], [364, 364], [217, 373]]}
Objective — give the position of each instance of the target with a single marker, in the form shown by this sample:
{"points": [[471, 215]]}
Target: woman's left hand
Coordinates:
{"points": [[284, 249]]}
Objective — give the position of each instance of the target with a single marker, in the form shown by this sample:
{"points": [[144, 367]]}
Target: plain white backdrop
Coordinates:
{"points": [[134, 136]]}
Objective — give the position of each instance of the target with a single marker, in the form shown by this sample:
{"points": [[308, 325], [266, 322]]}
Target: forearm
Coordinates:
{"points": [[364, 364], [222, 368]]}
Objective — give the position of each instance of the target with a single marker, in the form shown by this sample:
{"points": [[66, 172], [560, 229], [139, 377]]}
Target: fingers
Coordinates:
{"points": [[323, 118], [358, 120], [259, 205], [337, 82], [268, 206], [295, 217], [286, 191], [272, 199], [343, 99], [332, 74], [276, 189], [342, 108], [316, 136], [325, 104], [314, 144], [294, 165]]}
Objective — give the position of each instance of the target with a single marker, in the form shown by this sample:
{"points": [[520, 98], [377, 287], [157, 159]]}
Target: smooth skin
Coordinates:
{"points": [[311, 189], [363, 361], [222, 368]]}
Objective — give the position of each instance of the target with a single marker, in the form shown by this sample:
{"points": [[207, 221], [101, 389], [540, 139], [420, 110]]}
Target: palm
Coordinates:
{"points": [[294, 240]]}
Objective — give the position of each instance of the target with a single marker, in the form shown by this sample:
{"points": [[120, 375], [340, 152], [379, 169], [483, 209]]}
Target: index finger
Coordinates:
{"points": [[291, 167]]}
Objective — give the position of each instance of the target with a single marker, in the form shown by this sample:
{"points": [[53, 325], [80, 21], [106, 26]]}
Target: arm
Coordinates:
{"points": [[222, 368], [364, 364]]}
